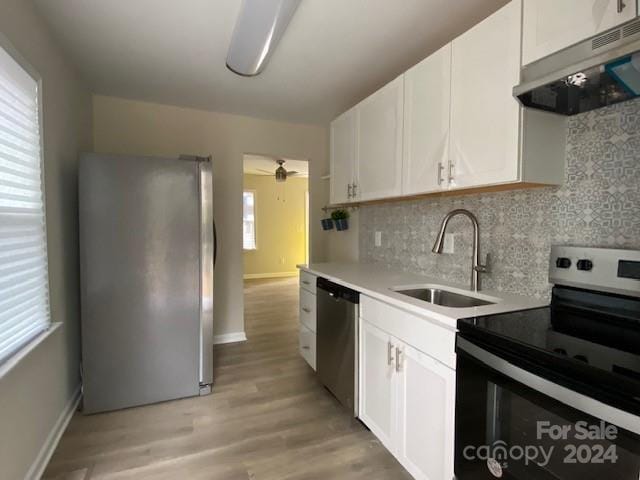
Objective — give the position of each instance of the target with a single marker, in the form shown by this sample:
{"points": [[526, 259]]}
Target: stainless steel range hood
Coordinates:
{"points": [[597, 72]]}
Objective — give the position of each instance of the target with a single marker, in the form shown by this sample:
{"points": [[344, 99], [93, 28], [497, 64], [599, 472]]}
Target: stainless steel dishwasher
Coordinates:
{"points": [[337, 341]]}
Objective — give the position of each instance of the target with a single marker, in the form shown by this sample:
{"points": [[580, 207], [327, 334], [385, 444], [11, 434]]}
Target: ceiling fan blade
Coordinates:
{"points": [[293, 172], [267, 172]]}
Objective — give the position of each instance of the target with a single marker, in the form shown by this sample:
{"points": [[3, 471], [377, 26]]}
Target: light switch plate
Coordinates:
{"points": [[378, 239]]}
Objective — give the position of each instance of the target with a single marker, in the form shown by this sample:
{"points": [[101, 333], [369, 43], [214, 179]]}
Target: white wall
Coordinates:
{"points": [[132, 127], [35, 393]]}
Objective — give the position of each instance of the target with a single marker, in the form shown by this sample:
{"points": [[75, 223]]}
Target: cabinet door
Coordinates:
{"points": [[379, 143], [427, 95], [426, 409], [343, 135], [376, 382], [551, 25], [485, 117]]}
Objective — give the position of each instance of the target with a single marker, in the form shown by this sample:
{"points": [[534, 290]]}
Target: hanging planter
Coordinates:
{"points": [[340, 218], [327, 224]]}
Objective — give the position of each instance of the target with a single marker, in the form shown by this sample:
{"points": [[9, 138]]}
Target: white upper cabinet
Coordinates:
{"points": [[551, 25], [343, 156], [379, 143], [427, 96], [426, 398], [485, 117], [451, 122]]}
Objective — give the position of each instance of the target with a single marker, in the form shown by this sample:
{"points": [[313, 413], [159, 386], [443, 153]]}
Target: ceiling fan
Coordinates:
{"points": [[281, 173]]}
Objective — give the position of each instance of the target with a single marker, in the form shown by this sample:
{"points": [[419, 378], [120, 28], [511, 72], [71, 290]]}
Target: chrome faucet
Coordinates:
{"points": [[476, 267]]}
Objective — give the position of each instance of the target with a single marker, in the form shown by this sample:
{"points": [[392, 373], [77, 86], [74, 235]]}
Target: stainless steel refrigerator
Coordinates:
{"points": [[147, 253]]}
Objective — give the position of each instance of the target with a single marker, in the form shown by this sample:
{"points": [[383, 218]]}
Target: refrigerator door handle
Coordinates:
{"points": [[207, 261], [215, 242]]}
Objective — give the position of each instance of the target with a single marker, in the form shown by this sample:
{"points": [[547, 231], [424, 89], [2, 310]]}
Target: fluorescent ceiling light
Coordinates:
{"points": [[259, 28]]}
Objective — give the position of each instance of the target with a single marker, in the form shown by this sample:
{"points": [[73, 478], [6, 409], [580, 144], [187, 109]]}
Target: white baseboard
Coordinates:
{"points": [[249, 276], [229, 338], [40, 463]]}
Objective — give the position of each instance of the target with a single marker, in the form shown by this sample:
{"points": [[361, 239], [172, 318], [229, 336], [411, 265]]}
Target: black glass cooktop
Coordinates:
{"points": [[586, 340]]}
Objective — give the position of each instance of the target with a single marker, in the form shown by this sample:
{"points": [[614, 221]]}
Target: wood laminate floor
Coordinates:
{"points": [[267, 419]]}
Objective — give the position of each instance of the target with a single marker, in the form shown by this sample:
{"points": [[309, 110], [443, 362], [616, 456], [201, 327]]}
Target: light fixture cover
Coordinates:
{"points": [[258, 30], [281, 174]]}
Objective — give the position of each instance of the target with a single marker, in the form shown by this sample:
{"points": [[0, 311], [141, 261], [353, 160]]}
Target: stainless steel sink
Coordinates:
{"points": [[443, 298]]}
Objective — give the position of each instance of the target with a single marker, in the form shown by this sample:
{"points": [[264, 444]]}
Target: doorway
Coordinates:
{"points": [[275, 216]]}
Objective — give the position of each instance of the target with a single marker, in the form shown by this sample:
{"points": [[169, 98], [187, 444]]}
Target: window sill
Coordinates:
{"points": [[16, 358]]}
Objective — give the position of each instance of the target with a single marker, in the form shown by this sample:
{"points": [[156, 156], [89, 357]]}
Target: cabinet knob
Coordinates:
{"points": [[353, 188], [349, 191], [306, 310]]}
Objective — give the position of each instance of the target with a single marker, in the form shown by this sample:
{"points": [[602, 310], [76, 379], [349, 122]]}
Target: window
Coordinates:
{"points": [[249, 220], [24, 284]]}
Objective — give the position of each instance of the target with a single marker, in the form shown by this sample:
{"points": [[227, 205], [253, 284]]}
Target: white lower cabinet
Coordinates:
{"points": [[307, 326], [407, 400], [307, 345], [377, 376], [425, 401]]}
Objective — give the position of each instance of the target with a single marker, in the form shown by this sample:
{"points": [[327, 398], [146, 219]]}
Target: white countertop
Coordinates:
{"points": [[376, 281]]}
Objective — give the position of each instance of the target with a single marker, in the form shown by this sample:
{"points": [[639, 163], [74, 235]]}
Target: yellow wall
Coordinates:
{"points": [[280, 225]]}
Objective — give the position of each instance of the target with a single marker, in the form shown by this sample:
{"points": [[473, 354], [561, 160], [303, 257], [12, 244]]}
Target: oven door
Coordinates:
{"points": [[513, 424]]}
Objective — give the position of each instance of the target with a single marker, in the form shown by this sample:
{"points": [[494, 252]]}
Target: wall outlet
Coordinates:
{"points": [[378, 239], [449, 243]]}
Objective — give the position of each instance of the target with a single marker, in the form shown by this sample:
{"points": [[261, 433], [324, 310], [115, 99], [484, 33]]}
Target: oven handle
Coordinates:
{"points": [[595, 408]]}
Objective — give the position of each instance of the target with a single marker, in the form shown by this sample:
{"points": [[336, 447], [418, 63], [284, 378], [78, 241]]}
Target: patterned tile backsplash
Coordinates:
{"points": [[598, 206]]}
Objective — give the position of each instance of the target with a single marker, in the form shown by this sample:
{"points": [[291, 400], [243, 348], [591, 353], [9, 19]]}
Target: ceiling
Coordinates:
{"points": [[334, 53], [257, 164]]}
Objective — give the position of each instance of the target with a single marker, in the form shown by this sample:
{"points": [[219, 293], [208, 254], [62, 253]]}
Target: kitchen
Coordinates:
{"points": [[479, 312]]}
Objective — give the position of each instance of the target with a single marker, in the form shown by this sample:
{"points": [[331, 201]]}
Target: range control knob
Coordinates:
{"points": [[584, 265], [563, 262]]}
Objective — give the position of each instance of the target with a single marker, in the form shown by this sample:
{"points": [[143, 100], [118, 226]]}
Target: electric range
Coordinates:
{"points": [[536, 380]]}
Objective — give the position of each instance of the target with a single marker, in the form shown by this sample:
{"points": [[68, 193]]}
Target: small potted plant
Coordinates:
{"points": [[340, 219], [327, 224]]}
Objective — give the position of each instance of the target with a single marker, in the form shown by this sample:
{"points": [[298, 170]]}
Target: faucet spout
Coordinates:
{"points": [[438, 246]]}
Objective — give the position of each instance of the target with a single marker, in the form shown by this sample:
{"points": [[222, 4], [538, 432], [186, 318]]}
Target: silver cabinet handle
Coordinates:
{"points": [[306, 310], [305, 282], [389, 353], [305, 347], [621, 6], [451, 176], [354, 190], [398, 360], [349, 188], [440, 169]]}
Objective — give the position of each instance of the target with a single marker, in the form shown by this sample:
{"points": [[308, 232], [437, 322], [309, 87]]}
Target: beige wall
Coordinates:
{"points": [[280, 225], [37, 390], [133, 127]]}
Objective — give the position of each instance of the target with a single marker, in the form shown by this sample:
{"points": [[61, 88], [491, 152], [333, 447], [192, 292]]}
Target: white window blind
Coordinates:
{"points": [[24, 288], [248, 220]]}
